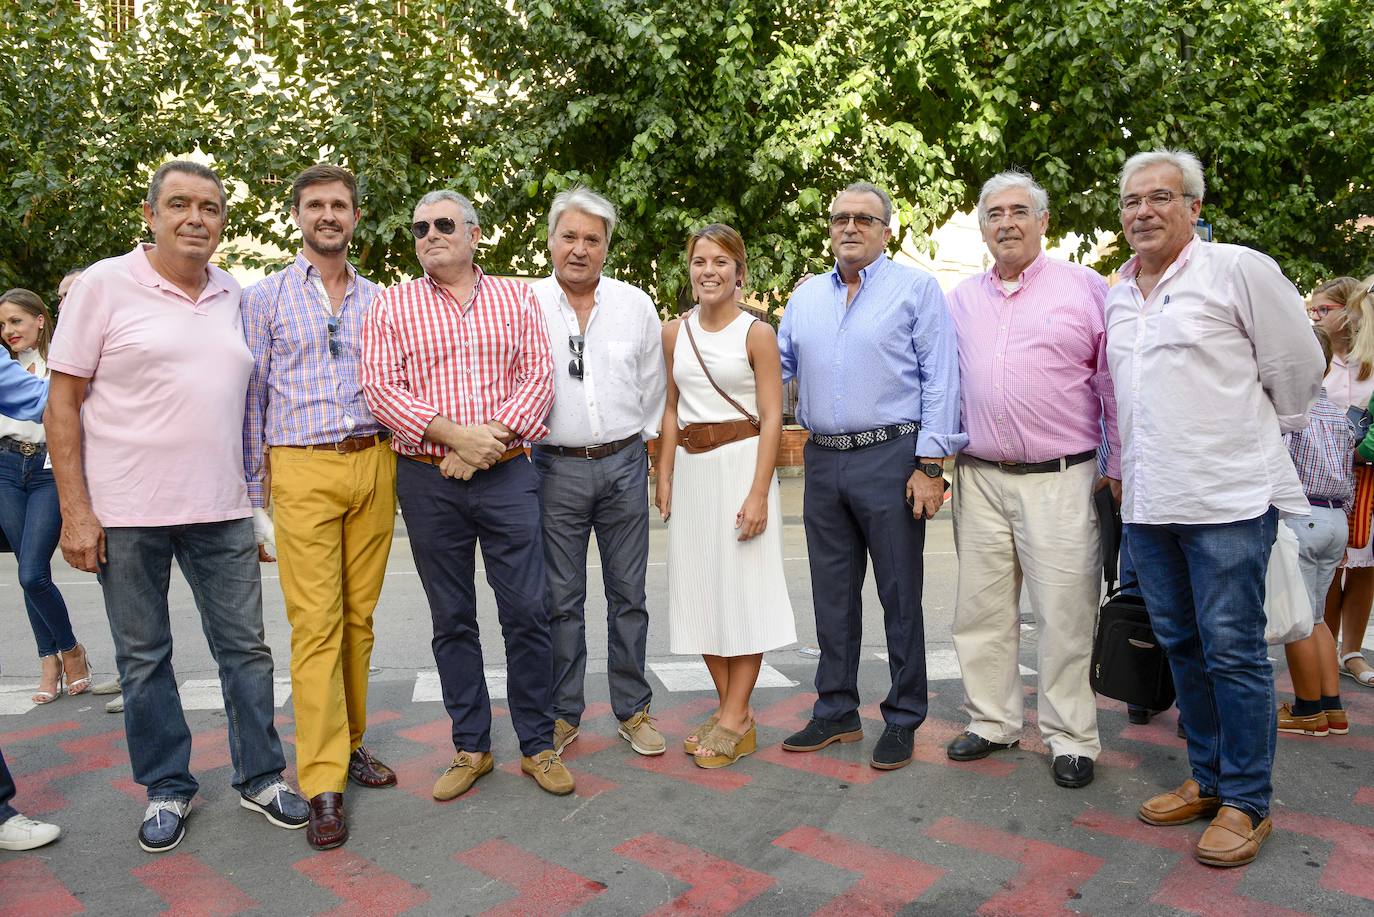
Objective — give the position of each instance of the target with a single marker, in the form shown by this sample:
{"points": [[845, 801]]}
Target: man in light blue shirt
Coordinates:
{"points": [[873, 349]]}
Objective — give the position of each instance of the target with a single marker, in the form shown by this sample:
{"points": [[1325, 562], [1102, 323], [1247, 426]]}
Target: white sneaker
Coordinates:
{"points": [[19, 832]]}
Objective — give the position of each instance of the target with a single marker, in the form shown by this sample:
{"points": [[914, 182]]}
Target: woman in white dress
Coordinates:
{"points": [[717, 490]]}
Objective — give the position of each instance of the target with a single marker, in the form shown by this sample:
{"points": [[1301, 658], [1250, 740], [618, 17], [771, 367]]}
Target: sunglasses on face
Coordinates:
{"points": [[446, 226], [332, 326], [576, 342]]}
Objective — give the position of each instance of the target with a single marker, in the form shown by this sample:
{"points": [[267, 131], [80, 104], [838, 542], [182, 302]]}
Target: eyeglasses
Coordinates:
{"points": [[575, 343], [1320, 312], [332, 324], [1157, 199], [997, 216], [861, 220], [446, 226]]}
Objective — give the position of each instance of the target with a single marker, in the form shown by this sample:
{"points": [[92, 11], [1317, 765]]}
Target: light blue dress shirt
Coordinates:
{"points": [[889, 357], [22, 395]]}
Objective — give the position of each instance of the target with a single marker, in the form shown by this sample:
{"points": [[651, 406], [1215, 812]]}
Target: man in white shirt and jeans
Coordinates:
{"points": [[1213, 358], [593, 466]]}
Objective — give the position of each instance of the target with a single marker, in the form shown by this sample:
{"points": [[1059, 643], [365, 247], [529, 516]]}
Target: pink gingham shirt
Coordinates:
{"points": [[425, 356], [1033, 377]]}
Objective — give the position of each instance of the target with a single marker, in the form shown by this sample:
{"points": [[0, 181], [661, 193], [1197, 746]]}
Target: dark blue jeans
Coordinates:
{"points": [[1204, 588], [855, 508], [220, 562], [608, 496], [30, 519], [6, 792], [447, 519]]}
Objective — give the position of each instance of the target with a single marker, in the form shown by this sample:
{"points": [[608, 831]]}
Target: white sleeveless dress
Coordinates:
{"points": [[725, 597]]}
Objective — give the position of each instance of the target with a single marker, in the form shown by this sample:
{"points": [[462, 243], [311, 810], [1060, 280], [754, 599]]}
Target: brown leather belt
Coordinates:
{"points": [[345, 446], [703, 437], [589, 452], [1059, 464], [437, 460]]}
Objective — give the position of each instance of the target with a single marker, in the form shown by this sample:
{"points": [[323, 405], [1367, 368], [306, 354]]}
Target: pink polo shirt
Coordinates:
{"points": [[163, 416]]}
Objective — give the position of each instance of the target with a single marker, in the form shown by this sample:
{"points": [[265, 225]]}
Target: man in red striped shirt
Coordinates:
{"points": [[457, 365]]}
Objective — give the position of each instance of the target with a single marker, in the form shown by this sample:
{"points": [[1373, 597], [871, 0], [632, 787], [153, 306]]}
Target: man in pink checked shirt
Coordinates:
{"points": [[457, 364], [1035, 389]]}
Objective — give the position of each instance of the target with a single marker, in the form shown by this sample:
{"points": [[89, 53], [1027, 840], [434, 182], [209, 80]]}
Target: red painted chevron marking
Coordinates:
{"points": [[790, 713], [1364, 796], [1189, 886], [677, 766], [1050, 874], [588, 785], [37, 732], [366, 889], [1161, 730], [210, 750], [822, 763], [542, 887], [88, 753], [716, 886], [192, 889], [1352, 850], [888, 882], [28, 888], [416, 775], [935, 734], [1108, 757]]}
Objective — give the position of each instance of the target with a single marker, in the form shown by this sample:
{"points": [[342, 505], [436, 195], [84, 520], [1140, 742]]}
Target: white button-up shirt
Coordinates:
{"points": [[623, 383], [1210, 370]]}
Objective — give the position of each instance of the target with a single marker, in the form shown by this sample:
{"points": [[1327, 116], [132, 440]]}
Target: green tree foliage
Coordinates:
{"points": [[753, 112]]}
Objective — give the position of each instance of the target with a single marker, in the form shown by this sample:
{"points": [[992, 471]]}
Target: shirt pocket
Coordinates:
{"points": [[1176, 329]]}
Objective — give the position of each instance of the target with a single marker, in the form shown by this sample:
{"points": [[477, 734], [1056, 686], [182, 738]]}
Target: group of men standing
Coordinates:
{"points": [[430, 392]]}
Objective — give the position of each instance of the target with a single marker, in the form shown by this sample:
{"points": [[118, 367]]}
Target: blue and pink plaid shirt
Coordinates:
{"points": [[1324, 453], [302, 393]]}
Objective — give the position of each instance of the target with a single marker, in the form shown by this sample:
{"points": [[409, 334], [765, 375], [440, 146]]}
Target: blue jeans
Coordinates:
{"points": [[30, 519], [1204, 588], [220, 562], [6, 792]]}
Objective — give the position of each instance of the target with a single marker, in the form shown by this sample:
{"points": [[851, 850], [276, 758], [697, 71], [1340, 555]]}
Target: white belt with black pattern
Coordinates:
{"points": [[846, 441]]}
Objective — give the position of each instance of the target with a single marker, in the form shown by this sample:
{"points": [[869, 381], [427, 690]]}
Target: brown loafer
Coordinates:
{"points": [[1230, 840], [365, 770], [328, 827], [1180, 806]]}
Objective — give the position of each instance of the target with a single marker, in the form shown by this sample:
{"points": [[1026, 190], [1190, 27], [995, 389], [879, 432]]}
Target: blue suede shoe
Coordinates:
{"points": [[164, 824], [279, 804]]}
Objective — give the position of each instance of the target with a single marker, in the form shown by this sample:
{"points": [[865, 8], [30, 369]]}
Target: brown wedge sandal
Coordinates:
{"points": [[700, 732], [728, 746]]}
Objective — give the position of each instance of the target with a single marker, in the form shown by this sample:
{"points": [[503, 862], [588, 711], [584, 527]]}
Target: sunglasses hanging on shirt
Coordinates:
{"points": [[576, 342]]}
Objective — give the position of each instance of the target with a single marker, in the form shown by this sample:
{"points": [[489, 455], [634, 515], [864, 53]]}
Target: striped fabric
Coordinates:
{"points": [[424, 356], [1324, 453], [299, 394]]}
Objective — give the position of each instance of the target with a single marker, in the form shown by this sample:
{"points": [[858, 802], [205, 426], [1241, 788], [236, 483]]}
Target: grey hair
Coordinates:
{"points": [[187, 167], [1008, 181], [582, 200], [465, 205], [863, 187], [1188, 165]]}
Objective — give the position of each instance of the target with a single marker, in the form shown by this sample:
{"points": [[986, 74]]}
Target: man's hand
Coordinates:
{"points": [[83, 540], [1113, 483], [266, 534], [477, 446], [924, 494], [454, 467]]}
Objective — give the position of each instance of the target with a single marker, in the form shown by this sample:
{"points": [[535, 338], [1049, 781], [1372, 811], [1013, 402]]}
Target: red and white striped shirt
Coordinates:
{"points": [[423, 356]]}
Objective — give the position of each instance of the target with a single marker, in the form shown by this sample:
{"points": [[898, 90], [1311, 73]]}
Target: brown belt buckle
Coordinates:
{"points": [[28, 448]]}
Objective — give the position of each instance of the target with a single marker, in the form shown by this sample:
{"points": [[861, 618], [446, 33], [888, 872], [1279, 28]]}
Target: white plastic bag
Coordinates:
{"points": [[1286, 603]]}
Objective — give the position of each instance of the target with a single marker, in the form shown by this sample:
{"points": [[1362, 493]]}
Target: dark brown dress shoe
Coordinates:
{"points": [[365, 770], [328, 827]]}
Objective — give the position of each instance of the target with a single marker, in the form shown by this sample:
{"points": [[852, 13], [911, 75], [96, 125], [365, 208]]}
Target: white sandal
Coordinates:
{"points": [[1365, 678]]}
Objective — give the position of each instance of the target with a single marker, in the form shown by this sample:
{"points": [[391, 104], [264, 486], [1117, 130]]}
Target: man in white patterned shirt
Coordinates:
{"points": [[593, 465]]}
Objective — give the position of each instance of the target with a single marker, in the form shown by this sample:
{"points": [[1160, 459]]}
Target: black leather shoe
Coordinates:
{"points": [[970, 747], [1139, 716], [893, 749], [365, 770], [328, 827], [1073, 771], [1179, 731], [820, 733]]}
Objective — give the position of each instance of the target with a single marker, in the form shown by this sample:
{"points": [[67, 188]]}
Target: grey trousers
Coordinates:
{"points": [[608, 496]]}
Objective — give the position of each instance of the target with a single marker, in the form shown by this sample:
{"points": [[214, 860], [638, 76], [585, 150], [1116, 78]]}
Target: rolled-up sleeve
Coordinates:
{"points": [[937, 354], [1290, 360]]}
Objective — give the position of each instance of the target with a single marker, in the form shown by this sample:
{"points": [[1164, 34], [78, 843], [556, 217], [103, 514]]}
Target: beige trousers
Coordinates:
{"points": [[1038, 531]]}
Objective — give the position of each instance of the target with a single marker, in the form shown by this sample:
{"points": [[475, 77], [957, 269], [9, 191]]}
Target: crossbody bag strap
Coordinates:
{"points": [[687, 323]]}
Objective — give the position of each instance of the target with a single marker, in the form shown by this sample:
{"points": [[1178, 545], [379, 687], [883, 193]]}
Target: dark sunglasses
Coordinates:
{"points": [[576, 342], [446, 226], [332, 324]]}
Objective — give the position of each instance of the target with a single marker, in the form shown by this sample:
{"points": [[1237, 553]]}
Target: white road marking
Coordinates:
{"points": [[693, 676], [205, 694]]}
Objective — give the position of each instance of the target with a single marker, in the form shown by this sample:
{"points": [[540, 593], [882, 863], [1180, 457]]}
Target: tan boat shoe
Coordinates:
{"points": [[549, 771], [1231, 840], [1337, 722], [564, 734], [1180, 806], [459, 776], [643, 736], [1314, 724]]}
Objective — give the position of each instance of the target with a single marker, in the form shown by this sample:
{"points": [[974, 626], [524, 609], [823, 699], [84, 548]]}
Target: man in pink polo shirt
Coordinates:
{"points": [[144, 420], [1034, 394]]}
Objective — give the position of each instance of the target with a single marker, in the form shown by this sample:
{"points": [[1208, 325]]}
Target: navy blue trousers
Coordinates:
{"points": [[6, 792], [447, 519], [855, 508]]}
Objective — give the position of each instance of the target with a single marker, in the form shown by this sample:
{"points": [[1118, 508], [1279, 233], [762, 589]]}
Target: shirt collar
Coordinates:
{"points": [[865, 274], [142, 270], [303, 265], [563, 294], [1131, 268], [993, 280], [476, 287]]}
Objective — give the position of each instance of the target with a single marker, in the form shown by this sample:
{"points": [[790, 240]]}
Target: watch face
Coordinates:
{"points": [[932, 469]]}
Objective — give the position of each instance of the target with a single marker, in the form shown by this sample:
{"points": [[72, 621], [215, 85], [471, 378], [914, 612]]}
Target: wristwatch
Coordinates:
{"points": [[931, 469]]}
